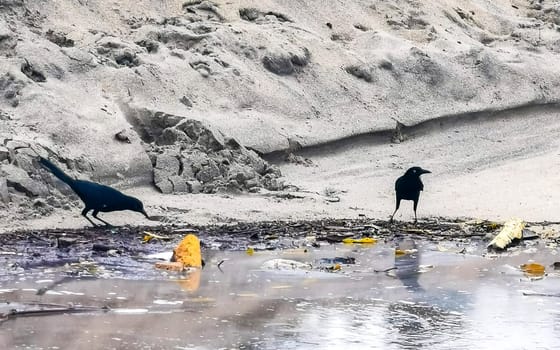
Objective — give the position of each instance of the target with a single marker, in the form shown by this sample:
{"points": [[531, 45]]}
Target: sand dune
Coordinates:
{"points": [[472, 87]]}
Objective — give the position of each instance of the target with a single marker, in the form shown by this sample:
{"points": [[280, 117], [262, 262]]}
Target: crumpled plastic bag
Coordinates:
{"points": [[513, 229]]}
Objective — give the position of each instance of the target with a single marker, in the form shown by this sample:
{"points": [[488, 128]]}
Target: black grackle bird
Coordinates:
{"points": [[408, 187], [95, 196]]}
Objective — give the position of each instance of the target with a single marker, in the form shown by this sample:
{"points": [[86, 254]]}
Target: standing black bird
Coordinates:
{"points": [[409, 186], [95, 196]]}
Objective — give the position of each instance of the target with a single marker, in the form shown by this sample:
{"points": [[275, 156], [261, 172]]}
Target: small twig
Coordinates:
{"points": [[220, 264], [50, 262], [39, 238], [557, 295], [459, 235], [386, 270], [60, 281], [48, 312]]}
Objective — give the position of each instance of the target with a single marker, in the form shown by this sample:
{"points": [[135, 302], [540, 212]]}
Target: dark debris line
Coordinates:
{"points": [[28, 249], [236, 236]]}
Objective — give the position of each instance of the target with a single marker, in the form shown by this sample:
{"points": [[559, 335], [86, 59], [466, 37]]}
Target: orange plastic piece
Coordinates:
{"points": [[533, 269], [188, 252]]}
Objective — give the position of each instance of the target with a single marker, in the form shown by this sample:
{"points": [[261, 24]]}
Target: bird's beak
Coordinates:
{"points": [[145, 214], [424, 171]]}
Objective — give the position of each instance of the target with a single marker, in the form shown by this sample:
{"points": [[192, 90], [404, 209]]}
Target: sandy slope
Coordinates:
{"points": [[423, 60], [431, 64], [511, 170]]}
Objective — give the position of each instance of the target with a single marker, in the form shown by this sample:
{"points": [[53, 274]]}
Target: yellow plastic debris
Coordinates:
{"points": [[148, 236], [188, 252], [493, 225], [365, 240], [513, 229], [533, 269], [250, 251]]}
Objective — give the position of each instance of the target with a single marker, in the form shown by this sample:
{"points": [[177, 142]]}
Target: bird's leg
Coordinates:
{"points": [[84, 214], [392, 215], [95, 212], [397, 208], [415, 206]]}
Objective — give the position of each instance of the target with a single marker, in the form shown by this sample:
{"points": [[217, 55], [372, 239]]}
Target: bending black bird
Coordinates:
{"points": [[408, 187], [95, 196]]}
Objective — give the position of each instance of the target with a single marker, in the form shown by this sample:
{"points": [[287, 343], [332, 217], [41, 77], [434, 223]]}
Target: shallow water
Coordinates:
{"points": [[457, 300]]}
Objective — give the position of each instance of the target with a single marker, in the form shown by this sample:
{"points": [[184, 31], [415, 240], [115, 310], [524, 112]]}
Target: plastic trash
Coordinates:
{"points": [[533, 269], [186, 254], [512, 230], [365, 240]]}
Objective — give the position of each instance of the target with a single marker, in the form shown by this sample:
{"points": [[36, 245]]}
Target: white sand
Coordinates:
{"points": [[496, 57]]}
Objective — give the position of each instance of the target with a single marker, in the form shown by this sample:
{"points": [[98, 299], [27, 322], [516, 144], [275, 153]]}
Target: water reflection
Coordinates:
{"points": [[451, 305], [407, 265], [420, 321]]}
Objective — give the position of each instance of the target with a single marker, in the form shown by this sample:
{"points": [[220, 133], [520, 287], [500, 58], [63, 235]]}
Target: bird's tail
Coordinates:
{"points": [[57, 171]]}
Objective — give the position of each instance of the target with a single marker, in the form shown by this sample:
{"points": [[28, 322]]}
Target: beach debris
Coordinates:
{"points": [[285, 264], [337, 260], [533, 269], [335, 267], [451, 247], [100, 247], [220, 264], [539, 294], [188, 252], [185, 255], [385, 270], [34, 310], [65, 242], [527, 234], [487, 225], [335, 237], [417, 230], [364, 240], [511, 232], [149, 236], [334, 264]]}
